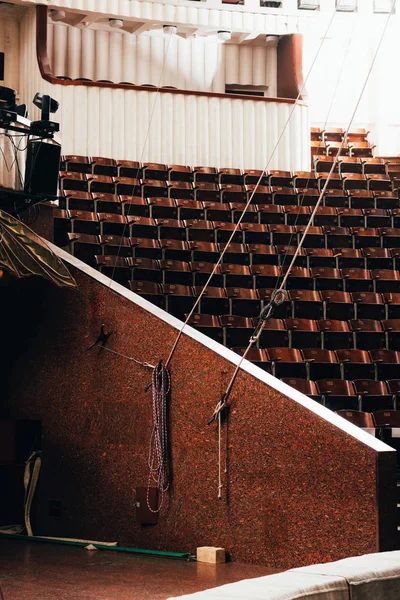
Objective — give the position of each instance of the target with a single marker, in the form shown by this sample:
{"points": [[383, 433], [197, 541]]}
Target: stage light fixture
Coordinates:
{"points": [[57, 15], [224, 36], [169, 29], [116, 23], [46, 104]]}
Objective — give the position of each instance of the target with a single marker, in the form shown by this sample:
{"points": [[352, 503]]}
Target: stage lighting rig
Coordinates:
{"points": [[47, 105]]}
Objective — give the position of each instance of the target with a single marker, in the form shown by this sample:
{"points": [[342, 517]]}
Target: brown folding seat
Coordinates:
{"points": [[257, 356], [379, 182], [334, 148], [286, 362], [182, 190], [338, 394], [142, 227], [354, 181], [322, 162], [373, 395], [271, 214], [280, 311], [391, 328], [128, 186], [303, 180], [261, 254], [321, 363], [303, 333], [76, 200], [361, 199], [201, 272], [280, 178], [265, 275], [306, 387], [359, 418], [113, 224], [333, 134], [115, 267], [366, 237], [176, 271], [349, 164], [282, 234], [392, 305], [234, 176], [387, 419], [214, 300], [205, 174], [368, 305], [176, 250], [206, 191], [237, 275], [180, 173], [386, 280], [284, 195], [199, 230], [207, 324], [327, 278], [237, 210], [351, 217], [252, 176], [305, 304], [347, 258], [315, 237], [374, 165], [104, 166], [335, 334], [357, 134], [225, 230], [116, 245], [308, 196], [237, 330], [135, 205], [337, 198], [316, 134], [73, 181], [357, 280], [84, 222], [338, 237], [255, 233], [393, 386], [204, 251], [154, 188], [259, 194], [108, 203], [217, 211], [338, 305], [318, 150], [101, 183], [179, 299], [390, 237], [395, 214], [355, 364], [386, 363], [286, 254], [233, 193], [377, 258], [362, 149], [297, 215], [163, 208], [146, 248], [274, 333], [77, 164], [299, 278], [236, 254], [367, 334], [190, 209], [384, 199], [171, 229], [320, 257], [243, 301], [155, 171], [129, 168], [150, 291], [84, 246], [327, 215], [145, 269]]}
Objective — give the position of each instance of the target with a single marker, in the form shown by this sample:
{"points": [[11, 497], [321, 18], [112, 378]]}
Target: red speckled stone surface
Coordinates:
{"points": [[298, 490]]}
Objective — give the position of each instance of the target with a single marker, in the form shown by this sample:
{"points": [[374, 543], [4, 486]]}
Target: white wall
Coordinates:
{"points": [[9, 44], [196, 63]]}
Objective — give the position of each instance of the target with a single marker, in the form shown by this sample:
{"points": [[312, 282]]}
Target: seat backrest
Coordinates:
{"points": [[333, 325], [337, 387], [366, 297], [304, 386], [353, 356], [370, 387], [357, 417], [301, 325], [385, 356], [365, 325], [387, 418], [284, 354], [319, 356]]}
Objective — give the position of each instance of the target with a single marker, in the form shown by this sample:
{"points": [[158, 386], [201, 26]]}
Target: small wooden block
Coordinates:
{"points": [[210, 554]]}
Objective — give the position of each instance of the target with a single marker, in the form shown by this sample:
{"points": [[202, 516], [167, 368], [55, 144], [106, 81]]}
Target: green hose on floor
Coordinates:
{"points": [[97, 546]]}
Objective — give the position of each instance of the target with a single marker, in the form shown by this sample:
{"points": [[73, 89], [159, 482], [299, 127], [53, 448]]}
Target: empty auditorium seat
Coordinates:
{"points": [[115, 267], [134, 205], [254, 176], [179, 299], [129, 168], [101, 183], [209, 325], [392, 305], [368, 305], [338, 237], [84, 246], [180, 173], [367, 334], [73, 181], [336, 197], [377, 258], [304, 386], [233, 193], [391, 328], [108, 203], [182, 190], [255, 233], [206, 191], [199, 230], [250, 216], [361, 199], [274, 333], [263, 254], [386, 363], [357, 280], [335, 334], [104, 166], [364, 420], [349, 164], [386, 199], [76, 200], [245, 302], [257, 356], [337, 304], [129, 186], [214, 300], [163, 208], [362, 149], [386, 280], [366, 237], [327, 278], [286, 362], [349, 258], [150, 291], [377, 217], [303, 180], [320, 257], [237, 330], [338, 394], [306, 304], [116, 245], [321, 363], [156, 171], [84, 222], [303, 333], [205, 174], [355, 364], [234, 176], [373, 395], [146, 247], [354, 181], [201, 272]]}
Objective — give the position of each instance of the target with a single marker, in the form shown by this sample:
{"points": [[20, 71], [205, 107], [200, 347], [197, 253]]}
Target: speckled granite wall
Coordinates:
{"points": [[299, 490]]}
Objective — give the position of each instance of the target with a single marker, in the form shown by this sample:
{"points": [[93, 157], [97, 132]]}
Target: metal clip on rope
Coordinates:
{"points": [[278, 297]]}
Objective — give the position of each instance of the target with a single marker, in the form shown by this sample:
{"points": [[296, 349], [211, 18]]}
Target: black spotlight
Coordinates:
{"points": [[47, 105]]}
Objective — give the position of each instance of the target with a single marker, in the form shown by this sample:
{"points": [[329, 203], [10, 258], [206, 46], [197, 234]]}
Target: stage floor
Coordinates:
{"points": [[32, 571]]}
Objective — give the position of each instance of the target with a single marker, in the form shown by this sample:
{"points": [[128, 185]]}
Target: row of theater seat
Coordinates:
{"points": [[357, 149], [379, 419], [227, 192], [357, 395], [336, 134]]}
